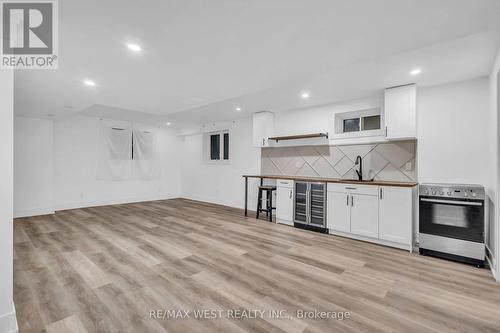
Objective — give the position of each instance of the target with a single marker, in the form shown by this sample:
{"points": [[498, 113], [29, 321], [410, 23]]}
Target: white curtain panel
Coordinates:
{"points": [[145, 145], [115, 151]]}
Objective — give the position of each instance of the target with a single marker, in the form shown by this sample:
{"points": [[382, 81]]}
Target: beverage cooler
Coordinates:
{"points": [[310, 206]]}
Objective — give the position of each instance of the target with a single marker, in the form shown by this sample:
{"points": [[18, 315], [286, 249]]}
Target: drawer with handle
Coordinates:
{"points": [[284, 183], [353, 188]]}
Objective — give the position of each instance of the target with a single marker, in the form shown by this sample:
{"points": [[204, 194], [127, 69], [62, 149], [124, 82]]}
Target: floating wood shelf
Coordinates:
{"points": [[297, 137]]}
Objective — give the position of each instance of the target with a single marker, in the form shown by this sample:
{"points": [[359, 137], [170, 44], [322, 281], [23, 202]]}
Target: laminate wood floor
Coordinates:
{"points": [[105, 269]]}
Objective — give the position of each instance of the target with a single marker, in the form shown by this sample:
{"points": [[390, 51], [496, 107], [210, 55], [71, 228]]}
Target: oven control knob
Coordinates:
{"points": [[433, 192], [473, 194], [441, 193], [449, 193], [465, 194]]}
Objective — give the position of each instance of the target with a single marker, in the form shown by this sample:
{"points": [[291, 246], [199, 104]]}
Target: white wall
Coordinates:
{"points": [[221, 183], [452, 133], [7, 312], [320, 118], [494, 170], [76, 142], [33, 181]]}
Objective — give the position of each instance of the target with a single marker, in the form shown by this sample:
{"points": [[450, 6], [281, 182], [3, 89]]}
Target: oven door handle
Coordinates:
{"points": [[455, 202]]}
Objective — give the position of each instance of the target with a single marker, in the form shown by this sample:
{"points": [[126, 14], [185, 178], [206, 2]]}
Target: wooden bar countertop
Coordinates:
{"points": [[335, 180]]}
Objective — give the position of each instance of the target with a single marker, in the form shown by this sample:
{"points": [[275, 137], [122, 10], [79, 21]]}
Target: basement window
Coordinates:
{"points": [[367, 123], [214, 147], [370, 123], [351, 125], [358, 123], [226, 146], [218, 143]]}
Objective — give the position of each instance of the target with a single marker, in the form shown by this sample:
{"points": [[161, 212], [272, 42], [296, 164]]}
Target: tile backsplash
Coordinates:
{"points": [[390, 161]]}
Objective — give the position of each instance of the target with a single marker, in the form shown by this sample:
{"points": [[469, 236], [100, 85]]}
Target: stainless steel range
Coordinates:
{"points": [[452, 222]]}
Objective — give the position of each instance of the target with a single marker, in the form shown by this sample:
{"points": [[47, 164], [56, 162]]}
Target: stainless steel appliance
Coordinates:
{"points": [[452, 222], [310, 206]]}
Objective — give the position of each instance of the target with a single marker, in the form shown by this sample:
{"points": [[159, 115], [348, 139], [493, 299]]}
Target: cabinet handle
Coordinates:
{"points": [[290, 194], [347, 197], [352, 201], [386, 131], [381, 194], [351, 188], [264, 141]]}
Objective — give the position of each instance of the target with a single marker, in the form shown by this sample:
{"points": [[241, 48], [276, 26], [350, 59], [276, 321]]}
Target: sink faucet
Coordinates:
{"points": [[359, 161]]}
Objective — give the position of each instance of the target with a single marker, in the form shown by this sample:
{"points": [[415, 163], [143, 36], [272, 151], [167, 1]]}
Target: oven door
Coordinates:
{"points": [[451, 217]]}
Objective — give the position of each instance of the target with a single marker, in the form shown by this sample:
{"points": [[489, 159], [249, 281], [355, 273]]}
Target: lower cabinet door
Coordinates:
{"points": [[284, 204], [338, 212], [364, 215], [396, 214]]}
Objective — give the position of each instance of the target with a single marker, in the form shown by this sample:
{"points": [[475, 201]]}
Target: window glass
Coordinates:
{"points": [[142, 145], [371, 123], [117, 144], [226, 146], [351, 125], [215, 147]]}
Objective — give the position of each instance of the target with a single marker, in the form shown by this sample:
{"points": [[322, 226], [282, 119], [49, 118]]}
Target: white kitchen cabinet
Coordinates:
{"points": [[382, 215], [284, 201], [351, 209], [400, 112], [364, 215], [395, 214], [338, 211], [263, 128]]}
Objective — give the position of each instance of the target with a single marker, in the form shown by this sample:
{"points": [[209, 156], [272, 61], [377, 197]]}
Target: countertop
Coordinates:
{"points": [[335, 180]]}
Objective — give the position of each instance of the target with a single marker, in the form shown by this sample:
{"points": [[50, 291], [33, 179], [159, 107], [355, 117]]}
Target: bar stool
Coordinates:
{"points": [[269, 201]]}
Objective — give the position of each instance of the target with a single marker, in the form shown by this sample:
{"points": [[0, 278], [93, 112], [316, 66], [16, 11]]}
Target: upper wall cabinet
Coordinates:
{"points": [[263, 128], [401, 112]]}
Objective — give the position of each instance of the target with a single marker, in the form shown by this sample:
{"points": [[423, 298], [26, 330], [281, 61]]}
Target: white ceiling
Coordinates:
{"points": [[201, 59]]}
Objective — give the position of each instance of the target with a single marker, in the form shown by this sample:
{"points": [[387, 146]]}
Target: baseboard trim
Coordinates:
{"points": [[33, 212], [77, 205], [214, 201], [8, 322]]}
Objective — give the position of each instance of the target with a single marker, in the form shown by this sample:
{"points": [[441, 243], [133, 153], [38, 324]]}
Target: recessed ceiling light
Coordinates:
{"points": [[134, 47], [89, 83], [238, 109], [305, 95], [416, 71], [168, 123]]}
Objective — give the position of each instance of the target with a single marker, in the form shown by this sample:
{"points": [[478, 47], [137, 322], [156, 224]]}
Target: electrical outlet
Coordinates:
{"points": [[408, 166]]}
